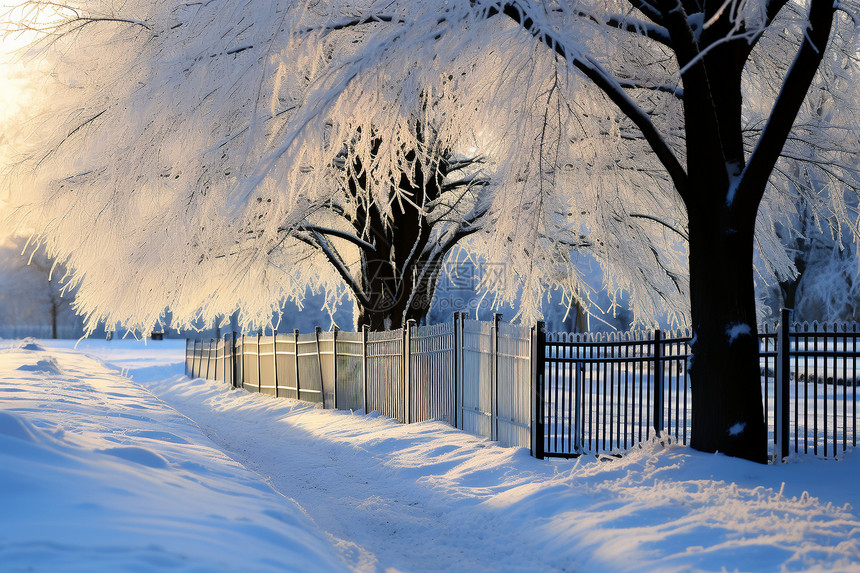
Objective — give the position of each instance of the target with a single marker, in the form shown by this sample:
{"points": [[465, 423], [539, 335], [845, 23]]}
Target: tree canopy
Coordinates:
{"points": [[188, 143], [211, 135]]}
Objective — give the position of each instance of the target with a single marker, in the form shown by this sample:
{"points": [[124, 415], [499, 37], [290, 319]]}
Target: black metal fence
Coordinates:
{"points": [[560, 394], [604, 393], [820, 384], [608, 392]]}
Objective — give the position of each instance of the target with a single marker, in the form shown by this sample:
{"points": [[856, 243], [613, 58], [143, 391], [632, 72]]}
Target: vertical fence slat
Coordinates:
{"points": [[275, 359], [538, 375], [781, 392], [658, 383], [364, 331]]}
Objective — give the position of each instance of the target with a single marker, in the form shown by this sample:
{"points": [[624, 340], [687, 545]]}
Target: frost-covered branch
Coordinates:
{"points": [[627, 24], [592, 69], [336, 233], [792, 93]]}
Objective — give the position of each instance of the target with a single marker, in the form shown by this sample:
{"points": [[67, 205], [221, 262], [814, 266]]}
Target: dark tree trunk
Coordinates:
{"points": [[727, 410], [54, 313], [388, 311], [727, 405], [398, 277]]}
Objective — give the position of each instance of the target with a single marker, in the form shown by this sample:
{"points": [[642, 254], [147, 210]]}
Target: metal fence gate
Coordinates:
{"points": [[605, 393]]}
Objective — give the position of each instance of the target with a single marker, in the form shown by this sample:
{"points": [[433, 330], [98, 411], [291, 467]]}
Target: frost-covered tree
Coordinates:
{"points": [[232, 166], [826, 284], [647, 127], [740, 72], [401, 244]]}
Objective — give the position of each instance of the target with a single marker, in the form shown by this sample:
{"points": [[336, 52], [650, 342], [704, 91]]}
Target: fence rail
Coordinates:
{"points": [[560, 394]]}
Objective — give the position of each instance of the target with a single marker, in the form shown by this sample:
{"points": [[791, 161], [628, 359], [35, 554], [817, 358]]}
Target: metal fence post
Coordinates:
{"points": [[186, 356], [407, 368], [538, 360], [578, 417], [461, 370], [242, 360], [456, 369], [364, 330], [234, 365], [259, 370], [317, 331], [209, 358], [334, 365], [275, 358], [296, 352], [658, 382], [781, 391], [494, 407]]}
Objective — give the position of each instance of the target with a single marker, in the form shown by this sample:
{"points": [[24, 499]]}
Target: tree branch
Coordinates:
{"points": [[674, 90], [71, 133], [662, 222], [643, 29], [753, 178], [317, 241], [350, 23], [609, 86], [361, 244]]}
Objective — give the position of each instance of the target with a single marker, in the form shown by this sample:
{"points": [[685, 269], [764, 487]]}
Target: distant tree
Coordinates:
{"points": [[826, 283], [32, 290], [401, 243]]}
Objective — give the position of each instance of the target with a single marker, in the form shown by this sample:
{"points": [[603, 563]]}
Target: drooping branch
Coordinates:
{"points": [[643, 29], [70, 134], [674, 90], [319, 242], [669, 226], [350, 23], [608, 85], [361, 244]]}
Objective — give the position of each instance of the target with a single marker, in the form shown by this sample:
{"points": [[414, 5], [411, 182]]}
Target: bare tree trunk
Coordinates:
{"points": [[54, 313]]}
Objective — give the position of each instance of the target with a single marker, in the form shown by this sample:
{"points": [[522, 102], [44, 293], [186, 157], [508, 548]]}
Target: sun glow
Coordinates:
{"points": [[21, 24]]}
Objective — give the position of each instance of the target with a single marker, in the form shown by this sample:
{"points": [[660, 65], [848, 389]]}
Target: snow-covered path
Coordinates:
{"points": [[400, 509], [387, 497]]}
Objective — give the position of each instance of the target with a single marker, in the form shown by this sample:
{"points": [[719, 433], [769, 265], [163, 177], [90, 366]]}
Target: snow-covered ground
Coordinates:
{"points": [[112, 460]]}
